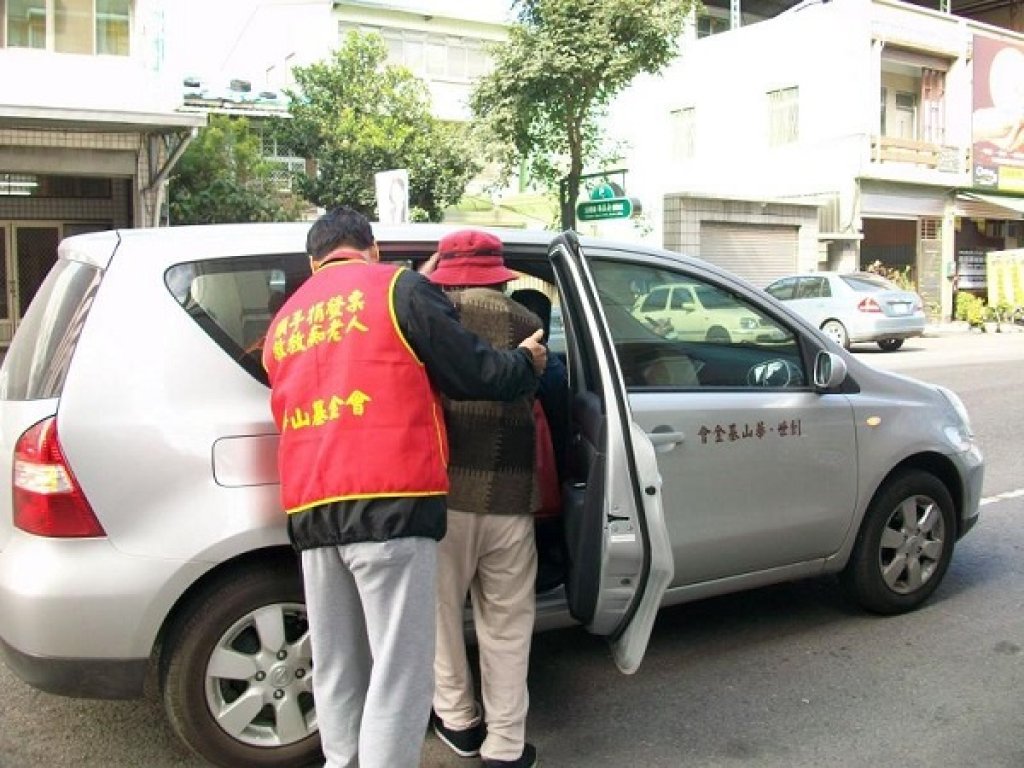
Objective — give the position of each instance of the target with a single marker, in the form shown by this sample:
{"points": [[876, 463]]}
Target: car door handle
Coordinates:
{"points": [[665, 438]]}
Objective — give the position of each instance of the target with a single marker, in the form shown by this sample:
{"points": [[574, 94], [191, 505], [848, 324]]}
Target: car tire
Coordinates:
{"points": [[718, 335], [836, 331], [890, 345], [897, 562], [257, 708]]}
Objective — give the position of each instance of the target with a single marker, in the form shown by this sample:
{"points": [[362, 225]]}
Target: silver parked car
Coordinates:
{"points": [[142, 545], [854, 307]]}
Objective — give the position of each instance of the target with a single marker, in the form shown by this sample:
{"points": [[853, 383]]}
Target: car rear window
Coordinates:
{"points": [[37, 362], [867, 283], [234, 300]]}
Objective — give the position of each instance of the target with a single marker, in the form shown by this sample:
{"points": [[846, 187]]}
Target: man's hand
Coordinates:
{"points": [[537, 351], [429, 265]]}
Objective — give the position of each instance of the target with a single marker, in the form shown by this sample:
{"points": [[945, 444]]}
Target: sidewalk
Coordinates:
{"points": [[955, 327]]}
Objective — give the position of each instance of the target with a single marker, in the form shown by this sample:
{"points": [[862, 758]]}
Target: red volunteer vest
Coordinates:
{"points": [[357, 413]]}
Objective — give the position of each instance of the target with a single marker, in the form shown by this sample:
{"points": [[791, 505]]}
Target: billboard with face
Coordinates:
{"points": [[998, 120]]}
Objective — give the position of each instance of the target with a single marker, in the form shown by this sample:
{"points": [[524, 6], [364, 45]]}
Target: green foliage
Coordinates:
{"points": [[358, 116], [565, 60], [222, 177], [971, 309], [901, 278]]}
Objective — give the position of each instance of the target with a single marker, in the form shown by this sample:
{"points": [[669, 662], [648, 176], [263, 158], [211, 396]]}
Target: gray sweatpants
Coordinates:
{"points": [[371, 620]]}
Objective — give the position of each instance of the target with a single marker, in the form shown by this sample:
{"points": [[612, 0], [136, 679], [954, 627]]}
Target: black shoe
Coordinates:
{"points": [[526, 760], [464, 743]]}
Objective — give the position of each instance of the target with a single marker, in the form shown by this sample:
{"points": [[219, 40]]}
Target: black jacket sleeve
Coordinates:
{"points": [[462, 365]]}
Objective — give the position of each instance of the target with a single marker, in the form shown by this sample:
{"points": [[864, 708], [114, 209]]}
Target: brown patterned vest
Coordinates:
{"points": [[491, 444]]}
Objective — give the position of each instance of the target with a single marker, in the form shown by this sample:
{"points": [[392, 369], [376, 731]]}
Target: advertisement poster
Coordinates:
{"points": [[392, 196], [998, 119]]}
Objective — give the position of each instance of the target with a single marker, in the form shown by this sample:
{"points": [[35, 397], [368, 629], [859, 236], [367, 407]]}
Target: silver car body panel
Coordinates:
{"points": [[178, 422]]}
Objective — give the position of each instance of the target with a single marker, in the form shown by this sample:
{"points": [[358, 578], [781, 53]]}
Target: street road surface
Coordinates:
{"points": [[784, 677]]}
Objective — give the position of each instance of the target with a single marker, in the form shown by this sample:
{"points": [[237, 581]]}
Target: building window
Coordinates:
{"points": [[783, 116], [914, 96], [905, 114], [69, 26], [430, 56], [26, 23], [684, 133], [708, 24], [113, 27]]}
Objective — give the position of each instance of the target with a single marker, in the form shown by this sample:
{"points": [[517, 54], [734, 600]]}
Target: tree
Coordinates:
{"points": [[223, 177], [356, 116], [563, 63]]}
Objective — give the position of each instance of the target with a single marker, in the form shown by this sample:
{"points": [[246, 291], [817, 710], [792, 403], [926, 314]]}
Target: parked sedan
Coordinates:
{"points": [[854, 307]]}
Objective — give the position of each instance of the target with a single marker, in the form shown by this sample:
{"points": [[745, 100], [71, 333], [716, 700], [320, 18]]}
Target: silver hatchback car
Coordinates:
{"points": [[142, 544]]}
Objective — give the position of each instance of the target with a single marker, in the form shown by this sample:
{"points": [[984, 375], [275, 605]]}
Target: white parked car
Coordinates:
{"points": [[854, 307], [142, 538]]}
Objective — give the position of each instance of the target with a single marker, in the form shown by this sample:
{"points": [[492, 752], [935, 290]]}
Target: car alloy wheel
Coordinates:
{"points": [[237, 669], [837, 332], [904, 544], [259, 682]]}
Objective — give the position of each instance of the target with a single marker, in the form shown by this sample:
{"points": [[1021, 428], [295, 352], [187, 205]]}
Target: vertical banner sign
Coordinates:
{"points": [[998, 119], [392, 196]]}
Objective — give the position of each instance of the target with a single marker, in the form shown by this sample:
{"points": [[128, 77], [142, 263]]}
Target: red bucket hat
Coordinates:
{"points": [[471, 257]]}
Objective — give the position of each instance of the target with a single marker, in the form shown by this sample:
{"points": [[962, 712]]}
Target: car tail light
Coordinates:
{"points": [[868, 305], [47, 499]]}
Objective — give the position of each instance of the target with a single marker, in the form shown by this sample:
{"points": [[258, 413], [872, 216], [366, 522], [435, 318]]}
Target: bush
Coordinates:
{"points": [[971, 309]]}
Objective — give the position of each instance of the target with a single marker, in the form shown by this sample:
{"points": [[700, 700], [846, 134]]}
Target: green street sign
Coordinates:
{"points": [[607, 208]]}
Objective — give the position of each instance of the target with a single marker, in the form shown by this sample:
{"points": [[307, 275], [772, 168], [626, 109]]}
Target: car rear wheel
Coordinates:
{"points": [[237, 684], [904, 545], [890, 345], [718, 335], [837, 332]]}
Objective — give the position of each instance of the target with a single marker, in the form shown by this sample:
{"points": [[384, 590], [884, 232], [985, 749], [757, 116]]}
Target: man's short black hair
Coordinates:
{"points": [[338, 228]]}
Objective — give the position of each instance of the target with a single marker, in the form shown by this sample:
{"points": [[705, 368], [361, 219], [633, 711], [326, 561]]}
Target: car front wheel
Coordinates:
{"points": [[237, 680], [890, 345], [837, 332], [904, 545]]}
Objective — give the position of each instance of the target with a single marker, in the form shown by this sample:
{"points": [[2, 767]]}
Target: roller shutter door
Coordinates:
{"points": [[756, 252]]}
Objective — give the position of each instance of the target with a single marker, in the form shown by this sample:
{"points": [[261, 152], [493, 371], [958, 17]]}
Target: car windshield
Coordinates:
{"points": [[868, 283]]}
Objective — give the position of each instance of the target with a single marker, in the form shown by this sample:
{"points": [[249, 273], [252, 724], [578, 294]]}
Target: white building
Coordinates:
{"points": [[860, 110], [88, 130]]}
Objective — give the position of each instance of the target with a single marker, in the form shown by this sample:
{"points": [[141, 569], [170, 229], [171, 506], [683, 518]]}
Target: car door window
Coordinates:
{"points": [[234, 300], [655, 300], [717, 338], [782, 289]]}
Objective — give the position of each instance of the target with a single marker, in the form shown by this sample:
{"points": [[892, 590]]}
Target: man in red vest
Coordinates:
{"points": [[357, 357]]}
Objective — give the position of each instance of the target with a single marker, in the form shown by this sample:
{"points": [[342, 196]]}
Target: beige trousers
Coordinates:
{"points": [[494, 559]]}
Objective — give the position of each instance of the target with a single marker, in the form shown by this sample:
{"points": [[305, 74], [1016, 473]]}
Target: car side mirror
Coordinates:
{"points": [[829, 370], [688, 306]]}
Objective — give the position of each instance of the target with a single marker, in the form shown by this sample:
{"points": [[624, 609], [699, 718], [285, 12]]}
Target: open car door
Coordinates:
{"points": [[620, 560]]}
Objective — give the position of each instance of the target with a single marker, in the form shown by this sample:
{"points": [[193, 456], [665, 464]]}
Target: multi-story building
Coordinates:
{"points": [[899, 126], [88, 130]]}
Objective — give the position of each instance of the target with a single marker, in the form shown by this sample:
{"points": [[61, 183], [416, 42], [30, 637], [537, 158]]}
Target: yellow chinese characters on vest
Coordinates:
{"points": [[322, 411], [324, 322]]}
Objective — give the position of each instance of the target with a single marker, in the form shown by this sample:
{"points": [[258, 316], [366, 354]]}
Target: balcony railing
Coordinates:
{"points": [[887, 149]]}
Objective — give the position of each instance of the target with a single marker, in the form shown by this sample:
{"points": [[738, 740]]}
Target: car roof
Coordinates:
{"points": [[210, 241]]}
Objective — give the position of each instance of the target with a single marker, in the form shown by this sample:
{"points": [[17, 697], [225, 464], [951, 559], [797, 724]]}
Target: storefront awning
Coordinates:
{"points": [[1013, 205]]}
